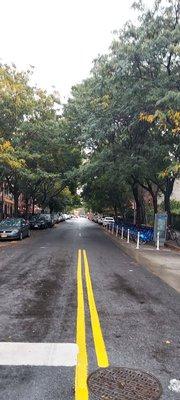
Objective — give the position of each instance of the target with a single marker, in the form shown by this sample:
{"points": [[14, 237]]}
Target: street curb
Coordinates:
{"points": [[135, 254], [172, 247]]}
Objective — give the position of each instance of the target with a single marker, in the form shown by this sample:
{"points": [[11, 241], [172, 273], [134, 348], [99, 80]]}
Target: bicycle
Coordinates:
{"points": [[171, 234]]}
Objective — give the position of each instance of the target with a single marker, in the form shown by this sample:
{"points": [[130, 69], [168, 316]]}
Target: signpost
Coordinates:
{"points": [[160, 227]]}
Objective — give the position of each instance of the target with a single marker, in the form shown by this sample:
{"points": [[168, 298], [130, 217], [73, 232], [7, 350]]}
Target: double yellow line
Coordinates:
{"points": [[81, 389]]}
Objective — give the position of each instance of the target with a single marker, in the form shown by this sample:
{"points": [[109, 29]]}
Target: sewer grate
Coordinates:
{"points": [[115, 383]]}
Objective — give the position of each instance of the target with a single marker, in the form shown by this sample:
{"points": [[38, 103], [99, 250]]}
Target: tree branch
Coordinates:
{"points": [[169, 64]]}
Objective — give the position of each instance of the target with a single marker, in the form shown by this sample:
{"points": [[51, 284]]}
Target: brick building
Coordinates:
{"points": [[6, 201]]}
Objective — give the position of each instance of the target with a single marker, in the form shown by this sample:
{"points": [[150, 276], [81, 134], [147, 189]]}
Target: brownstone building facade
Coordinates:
{"points": [[6, 201]]}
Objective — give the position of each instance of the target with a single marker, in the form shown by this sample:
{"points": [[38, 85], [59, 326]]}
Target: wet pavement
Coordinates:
{"points": [[164, 262], [139, 313]]}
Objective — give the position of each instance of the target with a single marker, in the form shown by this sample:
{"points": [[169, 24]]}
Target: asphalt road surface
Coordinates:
{"points": [[53, 292]]}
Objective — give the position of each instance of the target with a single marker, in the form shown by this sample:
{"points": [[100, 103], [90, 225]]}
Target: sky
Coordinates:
{"points": [[60, 38]]}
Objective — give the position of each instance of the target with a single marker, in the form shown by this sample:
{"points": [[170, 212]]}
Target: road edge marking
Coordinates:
{"points": [[81, 388], [100, 347]]}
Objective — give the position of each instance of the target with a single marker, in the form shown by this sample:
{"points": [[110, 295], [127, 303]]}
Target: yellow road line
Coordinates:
{"points": [[101, 353], [81, 389]]}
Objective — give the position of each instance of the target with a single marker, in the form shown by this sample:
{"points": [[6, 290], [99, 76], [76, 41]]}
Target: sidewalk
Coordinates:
{"points": [[172, 245], [164, 263]]}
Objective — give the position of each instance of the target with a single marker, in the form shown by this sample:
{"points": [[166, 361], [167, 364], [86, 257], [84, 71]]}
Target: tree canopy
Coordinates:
{"points": [[119, 133], [36, 156], [126, 114]]}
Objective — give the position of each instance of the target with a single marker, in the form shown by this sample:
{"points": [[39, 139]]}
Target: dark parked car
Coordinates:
{"points": [[38, 222], [56, 218], [14, 228], [49, 219], [61, 218]]}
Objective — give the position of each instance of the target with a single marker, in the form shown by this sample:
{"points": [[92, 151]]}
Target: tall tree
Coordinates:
{"points": [[108, 110]]}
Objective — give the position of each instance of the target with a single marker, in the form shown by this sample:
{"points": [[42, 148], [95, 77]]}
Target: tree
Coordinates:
{"points": [[134, 79], [40, 158], [16, 99]]}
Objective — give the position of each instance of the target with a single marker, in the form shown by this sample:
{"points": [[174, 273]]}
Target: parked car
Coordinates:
{"points": [[66, 216], [95, 218], [38, 222], [14, 228], [55, 217], [100, 220], [49, 219], [61, 218], [108, 220]]}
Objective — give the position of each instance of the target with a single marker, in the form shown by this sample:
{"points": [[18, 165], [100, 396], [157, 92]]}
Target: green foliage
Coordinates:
{"points": [[175, 207], [8, 157], [36, 154], [140, 76], [16, 99], [121, 124]]}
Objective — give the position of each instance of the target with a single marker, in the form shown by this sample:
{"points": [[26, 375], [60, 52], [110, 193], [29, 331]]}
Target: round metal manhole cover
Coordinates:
{"points": [[115, 383]]}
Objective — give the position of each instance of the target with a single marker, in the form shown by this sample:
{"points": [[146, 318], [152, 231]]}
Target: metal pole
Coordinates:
{"points": [[157, 248], [117, 231], [112, 229], [122, 232], [138, 237], [128, 236]]}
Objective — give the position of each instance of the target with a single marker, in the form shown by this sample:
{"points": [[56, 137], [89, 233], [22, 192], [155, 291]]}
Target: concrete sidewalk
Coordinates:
{"points": [[164, 263]]}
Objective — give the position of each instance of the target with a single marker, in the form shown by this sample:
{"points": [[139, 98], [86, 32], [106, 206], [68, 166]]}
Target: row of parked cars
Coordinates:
{"points": [[44, 221], [102, 220], [19, 228]]}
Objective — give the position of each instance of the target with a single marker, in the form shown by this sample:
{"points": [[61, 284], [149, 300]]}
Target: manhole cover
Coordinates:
{"points": [[124, 384]]}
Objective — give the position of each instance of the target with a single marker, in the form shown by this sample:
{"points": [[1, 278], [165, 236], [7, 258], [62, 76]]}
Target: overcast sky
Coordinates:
{"points": [[60, 38]]}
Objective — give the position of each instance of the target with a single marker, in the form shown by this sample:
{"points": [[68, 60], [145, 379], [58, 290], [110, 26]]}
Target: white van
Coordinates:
{"points": [[108, 220]]}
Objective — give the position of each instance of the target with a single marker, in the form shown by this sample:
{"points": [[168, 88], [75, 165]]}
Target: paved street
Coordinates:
{"points": [[41, 279]]}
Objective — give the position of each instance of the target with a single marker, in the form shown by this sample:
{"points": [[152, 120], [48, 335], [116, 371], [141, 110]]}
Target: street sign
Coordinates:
{"points": [[160, 226]]}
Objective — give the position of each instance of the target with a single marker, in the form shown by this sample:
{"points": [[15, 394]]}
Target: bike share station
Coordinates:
{"points": [[143, 235], [160, 227]]}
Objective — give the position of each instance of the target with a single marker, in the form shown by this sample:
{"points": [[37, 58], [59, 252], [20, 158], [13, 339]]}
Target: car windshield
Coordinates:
{"points": [[36, 218], [10, 222], [47, 216]]}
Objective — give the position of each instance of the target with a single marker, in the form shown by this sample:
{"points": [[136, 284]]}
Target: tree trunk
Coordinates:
{"points": [[154, 195], [33, 205], [14, 187], [115, 212], [140, 208], [167, 197], [27, 206], [153, 190], [51, 209], [16, 198], [2, 202]]}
